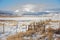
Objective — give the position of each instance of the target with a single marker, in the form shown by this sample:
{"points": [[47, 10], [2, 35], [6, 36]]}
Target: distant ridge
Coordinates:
{"points": [[54, 9], [36, 14], [6, 13], [47, 11]]}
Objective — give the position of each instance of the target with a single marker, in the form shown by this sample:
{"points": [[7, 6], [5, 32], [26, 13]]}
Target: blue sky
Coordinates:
{"points": [[4, 4]]}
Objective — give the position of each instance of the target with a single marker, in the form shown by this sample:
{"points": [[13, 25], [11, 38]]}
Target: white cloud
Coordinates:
{"points": [[28, 8], [16, 11], [32, 8]]}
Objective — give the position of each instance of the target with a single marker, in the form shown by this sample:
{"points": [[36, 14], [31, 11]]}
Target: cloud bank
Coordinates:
{"points": [[29, 8]]}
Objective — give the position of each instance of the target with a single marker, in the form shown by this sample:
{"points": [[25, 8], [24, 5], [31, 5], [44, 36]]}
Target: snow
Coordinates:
{"points": [[11, 30]]}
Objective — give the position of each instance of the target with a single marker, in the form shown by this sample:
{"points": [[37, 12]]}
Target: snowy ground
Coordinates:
{"points": [[12, 30]]}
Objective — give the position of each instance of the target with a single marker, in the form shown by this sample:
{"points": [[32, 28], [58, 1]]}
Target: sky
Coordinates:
{"points": [[28, 5]]}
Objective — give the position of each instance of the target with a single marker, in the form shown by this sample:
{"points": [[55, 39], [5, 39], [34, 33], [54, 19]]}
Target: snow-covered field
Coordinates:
{"points": [[11, 30]]}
